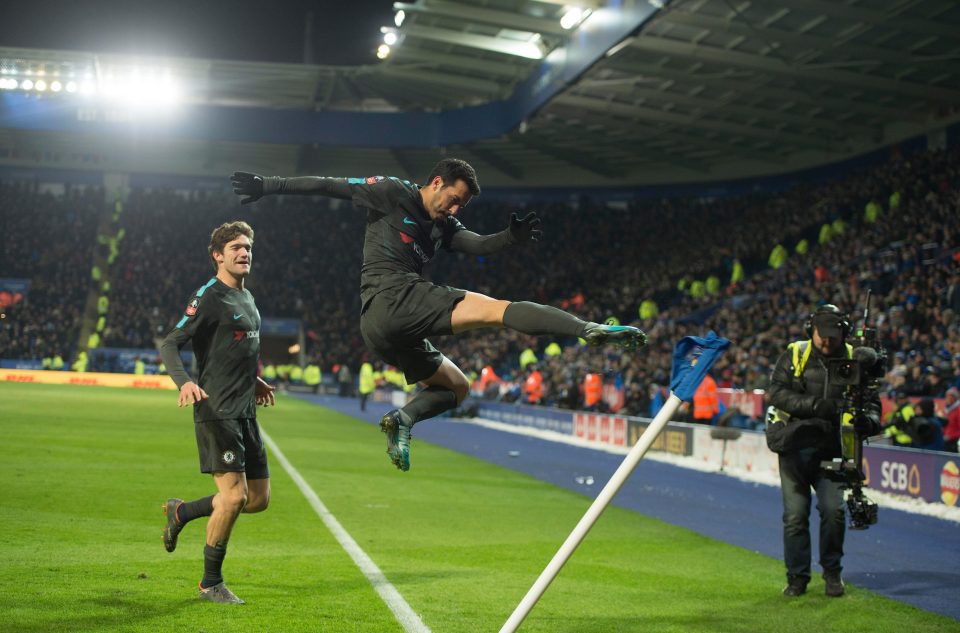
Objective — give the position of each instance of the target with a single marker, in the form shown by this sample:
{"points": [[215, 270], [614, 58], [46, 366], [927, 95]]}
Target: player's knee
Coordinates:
{"points": [[461, 388], [234, 500], [257, 503]]}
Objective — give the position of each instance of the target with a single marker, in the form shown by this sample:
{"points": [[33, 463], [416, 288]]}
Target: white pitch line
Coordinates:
{"points": [[405, 615]]}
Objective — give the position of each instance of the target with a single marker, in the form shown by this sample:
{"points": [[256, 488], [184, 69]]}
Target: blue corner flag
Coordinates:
{"points": [[692, 359]]}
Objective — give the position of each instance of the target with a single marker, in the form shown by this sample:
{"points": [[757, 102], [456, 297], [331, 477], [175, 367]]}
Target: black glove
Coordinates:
{"points": [[247, 184], [828, 409], [525, 230]]}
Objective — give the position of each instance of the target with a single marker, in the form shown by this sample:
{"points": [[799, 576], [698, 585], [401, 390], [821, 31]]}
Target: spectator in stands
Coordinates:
{"points": [[951, 432], [928, 427], [593, 391], [706, 404], [897, 424], [345, 380], [367, 383], [533, 386]]}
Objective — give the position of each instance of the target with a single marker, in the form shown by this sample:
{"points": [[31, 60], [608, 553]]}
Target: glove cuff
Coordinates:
{"points": [[272, 184]]}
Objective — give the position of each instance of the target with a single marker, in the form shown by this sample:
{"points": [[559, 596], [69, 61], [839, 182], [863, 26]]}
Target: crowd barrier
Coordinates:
{"points": [[86, 378], [933, 477], [751, 403]]}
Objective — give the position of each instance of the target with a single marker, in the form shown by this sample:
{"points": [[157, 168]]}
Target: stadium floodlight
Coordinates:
{"points": [[145, 89], [71, 87], [383, 51], [26, 84], [390, 38], [40, 86], [398, 17], [692, 359], [56, 86], [8, 84]]}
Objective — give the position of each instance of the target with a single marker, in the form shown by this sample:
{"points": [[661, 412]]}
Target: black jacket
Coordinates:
{"points": [[799, 398]]}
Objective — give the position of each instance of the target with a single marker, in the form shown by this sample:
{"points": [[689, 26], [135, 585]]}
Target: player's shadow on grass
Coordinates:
{"points": [[905, 582], [400, 579], [123, 610]]}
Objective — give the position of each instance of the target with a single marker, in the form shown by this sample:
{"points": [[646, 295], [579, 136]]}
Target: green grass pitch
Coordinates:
{"points": [[86, 469]]}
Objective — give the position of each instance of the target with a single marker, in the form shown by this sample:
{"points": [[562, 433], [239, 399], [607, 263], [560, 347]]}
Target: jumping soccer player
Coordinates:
{"points": [[224, 324], [406, 225]]}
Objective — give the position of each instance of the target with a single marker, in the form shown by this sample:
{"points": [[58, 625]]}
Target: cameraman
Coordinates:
{"points": [[807, 431]]}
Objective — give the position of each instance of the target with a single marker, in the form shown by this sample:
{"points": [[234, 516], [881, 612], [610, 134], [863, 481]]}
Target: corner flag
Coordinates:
{"points": [[692, 358]]}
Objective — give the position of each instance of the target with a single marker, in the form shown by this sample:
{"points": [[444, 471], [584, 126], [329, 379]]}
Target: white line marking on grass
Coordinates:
{"points": [[405, 615]]}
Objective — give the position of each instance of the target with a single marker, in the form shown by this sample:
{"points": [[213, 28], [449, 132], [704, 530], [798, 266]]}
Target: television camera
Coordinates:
{"points": [[861, 375]]}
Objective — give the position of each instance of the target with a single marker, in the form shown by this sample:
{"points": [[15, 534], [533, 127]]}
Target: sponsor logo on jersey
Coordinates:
{"points": [[237, 316], [239, 335], [372, 180], [409, 221], [192, 306], [407, 239], [420, 253]]}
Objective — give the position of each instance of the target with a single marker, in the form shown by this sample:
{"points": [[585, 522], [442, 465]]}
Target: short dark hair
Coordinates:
{"points": [[451, 170], [226, 233]]}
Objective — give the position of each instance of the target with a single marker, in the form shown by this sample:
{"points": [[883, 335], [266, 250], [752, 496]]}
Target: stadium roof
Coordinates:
{"points": [[695, 91]]}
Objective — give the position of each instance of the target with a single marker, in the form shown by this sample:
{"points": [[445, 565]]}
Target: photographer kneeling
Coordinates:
{"points": [[805, 430]]}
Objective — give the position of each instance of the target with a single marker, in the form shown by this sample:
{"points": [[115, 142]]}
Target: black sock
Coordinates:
{"points": [[533, 318], [190, 510], [212, 565], [428, 403]]}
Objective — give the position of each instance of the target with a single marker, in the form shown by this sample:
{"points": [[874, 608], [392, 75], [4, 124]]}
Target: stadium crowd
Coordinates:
{"points": [[47, 239], [891, 228]]}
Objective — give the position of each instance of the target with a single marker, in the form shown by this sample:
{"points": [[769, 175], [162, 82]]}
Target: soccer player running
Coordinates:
{"points": [[406, 225], [224, 324]]}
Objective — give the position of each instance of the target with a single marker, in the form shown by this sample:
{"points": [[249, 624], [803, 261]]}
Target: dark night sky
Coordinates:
{"points": [[345, 32]]}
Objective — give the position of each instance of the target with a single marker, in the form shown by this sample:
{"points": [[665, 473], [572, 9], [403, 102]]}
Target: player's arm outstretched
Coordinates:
{"points": [[255, 186], [520, 231]]}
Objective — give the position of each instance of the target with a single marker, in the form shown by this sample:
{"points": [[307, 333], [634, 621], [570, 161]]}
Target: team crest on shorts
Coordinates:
{"points": [[229, 457], [192, 306]]}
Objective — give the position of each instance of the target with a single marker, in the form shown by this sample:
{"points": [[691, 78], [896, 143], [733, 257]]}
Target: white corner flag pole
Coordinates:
{"points": [[593, 513]]}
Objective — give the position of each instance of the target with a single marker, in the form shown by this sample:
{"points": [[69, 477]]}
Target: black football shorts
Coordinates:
{"points": [[232, 446], [397, 322]]}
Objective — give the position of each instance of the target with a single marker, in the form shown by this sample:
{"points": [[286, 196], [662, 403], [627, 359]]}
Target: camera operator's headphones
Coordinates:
{"points": [[832, 310]]}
